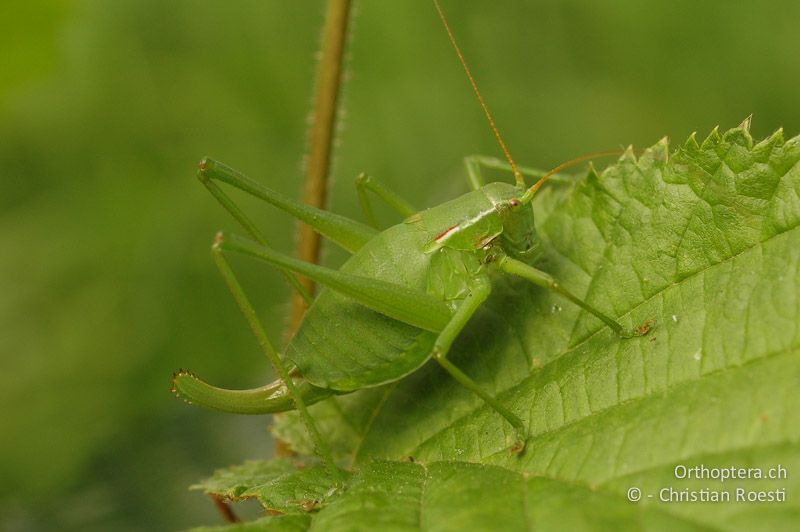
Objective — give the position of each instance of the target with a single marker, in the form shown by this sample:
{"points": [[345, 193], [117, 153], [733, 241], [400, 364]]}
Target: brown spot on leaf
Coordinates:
{"points": [[645, 327], [311, 505]]}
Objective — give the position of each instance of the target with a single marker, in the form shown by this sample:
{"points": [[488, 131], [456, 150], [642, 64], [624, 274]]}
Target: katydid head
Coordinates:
{"points": [[519, 239]]}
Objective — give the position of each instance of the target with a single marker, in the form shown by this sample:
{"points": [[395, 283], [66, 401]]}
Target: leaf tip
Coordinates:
{"points": [[712, 139], [691, 145], [745, 125], [773, 141], [592, 174], [628, 155], [778, 136], [660, 150]]}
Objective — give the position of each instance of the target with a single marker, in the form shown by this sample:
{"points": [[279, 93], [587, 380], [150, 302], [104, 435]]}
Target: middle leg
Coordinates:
{"points": [[545, 280], [474, 163]]}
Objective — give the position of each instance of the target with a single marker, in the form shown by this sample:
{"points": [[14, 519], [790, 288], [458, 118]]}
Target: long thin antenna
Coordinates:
{"points": [[536, 186], [517, 174]]}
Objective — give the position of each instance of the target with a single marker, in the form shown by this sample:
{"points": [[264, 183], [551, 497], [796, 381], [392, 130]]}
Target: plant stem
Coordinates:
{"points": [[320, 138], [320, 147], [224, 509]]}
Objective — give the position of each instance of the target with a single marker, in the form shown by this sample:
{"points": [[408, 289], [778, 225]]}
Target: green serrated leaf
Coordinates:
{"points": [[705, 242], [463, 496], [233, 482], [279, 485]]}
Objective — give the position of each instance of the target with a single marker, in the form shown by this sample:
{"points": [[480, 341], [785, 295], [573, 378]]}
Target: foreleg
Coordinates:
{"points": [[479, 293]]}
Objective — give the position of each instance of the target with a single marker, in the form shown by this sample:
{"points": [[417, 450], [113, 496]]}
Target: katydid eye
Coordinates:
{"points": [[514, 202]]}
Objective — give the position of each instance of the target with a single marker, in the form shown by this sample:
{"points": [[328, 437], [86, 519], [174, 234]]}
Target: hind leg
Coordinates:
{"points": [[348, 234], [195, 390]]}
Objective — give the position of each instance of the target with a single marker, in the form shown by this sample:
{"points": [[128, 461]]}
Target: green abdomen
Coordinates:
{"points": [[343, 345]]}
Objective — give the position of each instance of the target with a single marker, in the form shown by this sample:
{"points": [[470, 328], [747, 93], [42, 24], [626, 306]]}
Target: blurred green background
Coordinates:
{"points": [[105, 107]]}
